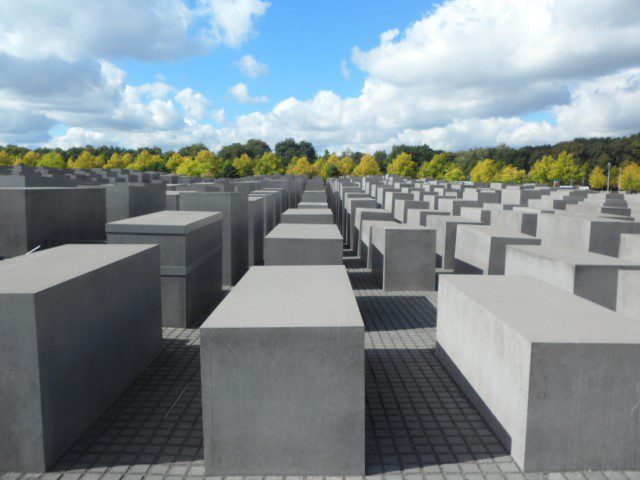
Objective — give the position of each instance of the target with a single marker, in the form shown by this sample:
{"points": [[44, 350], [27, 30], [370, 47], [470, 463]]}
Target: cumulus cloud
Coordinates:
{"points": [[251, 67], [466, 74], [240, 92], [344, 69], [231, 21]]}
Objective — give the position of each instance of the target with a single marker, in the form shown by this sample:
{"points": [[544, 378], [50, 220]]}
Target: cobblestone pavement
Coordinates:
{"points": [[419, 424]]}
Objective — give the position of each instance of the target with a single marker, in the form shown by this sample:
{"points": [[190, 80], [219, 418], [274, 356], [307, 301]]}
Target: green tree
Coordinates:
{"points": [[192, 150], [455, 174], [244, 165], [289, 148], [346, 165], [630, 178], [564, 169], [403, 165], [228, 170], [190, 167], [52, 160], [332, 170], [597, 178], [511, 174], [614, 177], [485, 171], [368, 166], [437, 167], [268, 164]]}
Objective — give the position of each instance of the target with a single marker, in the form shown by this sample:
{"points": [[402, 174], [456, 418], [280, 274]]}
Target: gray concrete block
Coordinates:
{"points": [[482, 248], [630, 247], [78, 324], [313, 205], [314, 196], [257, 217], [628, 295], [366, 252], [48, 217], [519, 221], [554, 380], [593, 234], [353, 204], [234, 207], [403, 257], [125, 200], [418, 216], [270, 207], [362, 214], [446, 227], [303, 244], [190, 259], [307, 215], [173, 200], [282, 362], [479, 214], [589, 275], [402, 206]]}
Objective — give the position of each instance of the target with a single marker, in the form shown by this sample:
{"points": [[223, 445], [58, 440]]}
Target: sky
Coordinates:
{"points": [[350, 74]]}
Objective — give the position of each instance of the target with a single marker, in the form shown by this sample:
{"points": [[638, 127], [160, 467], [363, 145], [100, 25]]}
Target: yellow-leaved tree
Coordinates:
{"points": [[210, 165], [6, 158], [540, 172], [174, 161], [565, 170], [268, 164], [301, 166], [86, 160], [511, 174], [52, 160], [146, 161], [436, 168], [30, 159], [244, 164], [403, 165], [118, 161], [597, 178], [630, 178], [484, 171], [367, 166], [455, 174]]}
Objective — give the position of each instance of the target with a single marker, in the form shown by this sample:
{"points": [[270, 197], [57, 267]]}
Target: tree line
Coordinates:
{"points": [[579, 161]]}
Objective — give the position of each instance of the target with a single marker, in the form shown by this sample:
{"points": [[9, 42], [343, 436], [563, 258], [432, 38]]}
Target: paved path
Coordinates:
{"points": [[419, 424]]}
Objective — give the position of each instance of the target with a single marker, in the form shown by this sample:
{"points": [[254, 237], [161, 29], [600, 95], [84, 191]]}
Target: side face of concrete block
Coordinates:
{"points": [[403, 258], [13, 236], [269, 373], [307, 215], [517, 369], [75, 377]]}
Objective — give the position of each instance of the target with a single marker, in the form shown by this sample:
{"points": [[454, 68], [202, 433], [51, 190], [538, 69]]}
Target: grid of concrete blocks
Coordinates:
{"points": [[538, 321]]}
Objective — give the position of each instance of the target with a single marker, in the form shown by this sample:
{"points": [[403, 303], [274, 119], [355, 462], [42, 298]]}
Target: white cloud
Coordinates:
{"points": [[251, 67], [240, 92], [231, 21], [344, 68], [194, 104]]}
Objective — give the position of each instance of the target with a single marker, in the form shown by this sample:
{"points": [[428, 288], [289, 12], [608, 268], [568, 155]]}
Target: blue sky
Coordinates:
{"points": [[363, 75]]}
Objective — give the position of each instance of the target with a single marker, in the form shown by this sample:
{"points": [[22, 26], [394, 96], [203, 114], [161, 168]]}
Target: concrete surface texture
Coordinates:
{"points": [[234, 207], [446, 227], [307, 215], [589, 275], [594, 234], [190, 259], [418, 216], [314, 196], [630, 247], [628, 294], [271, 376], [303, 244], [46, 217], [78, 324], [482, 248], [365, 239], [402, 206], [257, 221], [516, 367], [403, 257]]}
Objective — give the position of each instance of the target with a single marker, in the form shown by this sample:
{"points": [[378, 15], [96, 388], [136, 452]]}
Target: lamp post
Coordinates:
{"points": [[608, 175]]}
